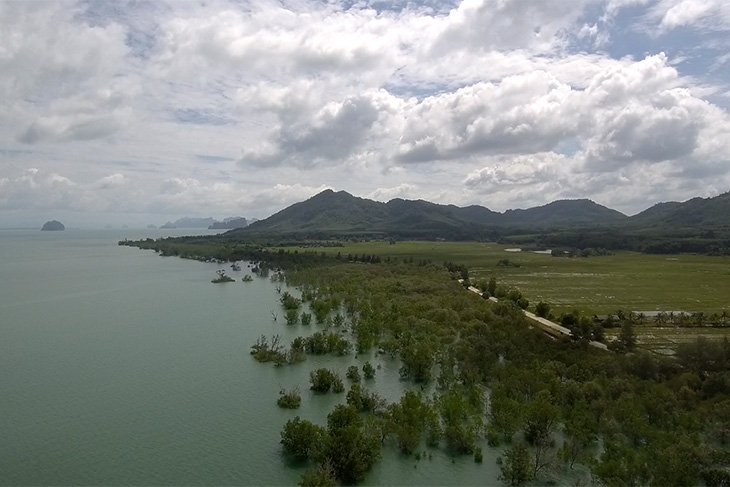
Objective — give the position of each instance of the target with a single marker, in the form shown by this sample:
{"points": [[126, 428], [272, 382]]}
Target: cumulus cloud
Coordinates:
{"points": [[62, 78], [330, 135], [404, 191], [501, 103], [178, 195], [38, 189], [507, 25]]}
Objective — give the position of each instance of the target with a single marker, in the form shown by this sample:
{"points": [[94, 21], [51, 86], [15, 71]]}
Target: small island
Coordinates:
{"points": [[53, 225], [222, 277]]}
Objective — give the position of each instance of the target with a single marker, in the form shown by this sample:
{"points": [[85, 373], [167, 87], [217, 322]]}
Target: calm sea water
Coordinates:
{"points": [[120, 367]]}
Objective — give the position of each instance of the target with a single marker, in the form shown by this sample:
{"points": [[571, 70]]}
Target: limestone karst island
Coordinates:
{"points": [[53, 225]]}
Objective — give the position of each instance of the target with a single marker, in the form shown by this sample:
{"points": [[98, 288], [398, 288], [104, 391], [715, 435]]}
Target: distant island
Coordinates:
{"points": [[189, 223], [230, 223], [53, 226]]}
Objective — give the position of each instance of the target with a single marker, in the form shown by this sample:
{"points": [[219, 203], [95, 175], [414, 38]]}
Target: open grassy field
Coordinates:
{"points": [[594, 285], [665, 339]]}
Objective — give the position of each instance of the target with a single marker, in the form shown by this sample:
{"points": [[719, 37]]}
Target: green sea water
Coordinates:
{"points": [[121, 367]]}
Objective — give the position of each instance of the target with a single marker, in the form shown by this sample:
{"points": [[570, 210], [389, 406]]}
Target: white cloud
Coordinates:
{"points": [[404, 191], [685, 12], [507, 25], [502, 103], [61, 78]]}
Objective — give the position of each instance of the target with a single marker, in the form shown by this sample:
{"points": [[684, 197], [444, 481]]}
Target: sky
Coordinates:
{"points": [[138, 112]]}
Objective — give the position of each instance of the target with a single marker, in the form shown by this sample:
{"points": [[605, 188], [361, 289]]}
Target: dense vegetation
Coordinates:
{"points": [[632, 419], [698, 225], [629, 417]]}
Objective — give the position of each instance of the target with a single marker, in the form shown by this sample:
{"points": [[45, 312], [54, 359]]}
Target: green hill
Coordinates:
{"points": [[339, 213], [691, 213]]}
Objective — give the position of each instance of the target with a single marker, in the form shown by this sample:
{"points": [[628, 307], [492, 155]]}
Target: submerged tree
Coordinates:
{"points": [[516, 466]]}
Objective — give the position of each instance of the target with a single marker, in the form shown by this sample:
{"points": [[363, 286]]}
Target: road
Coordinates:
{"points": [[545, 324]]}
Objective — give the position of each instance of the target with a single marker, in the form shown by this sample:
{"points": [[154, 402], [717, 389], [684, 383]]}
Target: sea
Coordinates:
{"points": [[122, 367]]}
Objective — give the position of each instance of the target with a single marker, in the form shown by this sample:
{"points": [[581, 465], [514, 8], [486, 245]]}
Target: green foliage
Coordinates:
{"points": [[492, 286], [265, 351], [364, 400], [658, 420], [292, 317], [306, 319], [541, 418], [542, 309], [408, 418], [516, 467], [222, 277], [323, 380], [460, 422], [351, 449], [620, 465], [505, 414], [337, 385], [626, 340], [296, 352], [290, 302], [303, 439], [418, 360], [716, 478], [321, 308], [289, 399], [353, 373], [478, 456], [368, 370], [705, 356], [321, 343], [338, 320], [322, 476]]}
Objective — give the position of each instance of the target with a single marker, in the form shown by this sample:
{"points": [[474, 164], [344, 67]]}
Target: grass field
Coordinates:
{"points": [[626, 281], [664, 340]]}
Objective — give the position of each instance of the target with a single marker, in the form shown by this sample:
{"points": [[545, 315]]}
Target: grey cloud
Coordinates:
{"points": [[645, 134], [331, 135], [69, 128]]}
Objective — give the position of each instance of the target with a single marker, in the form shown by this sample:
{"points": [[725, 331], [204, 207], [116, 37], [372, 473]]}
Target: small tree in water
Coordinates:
{"points": [[516, 467]]}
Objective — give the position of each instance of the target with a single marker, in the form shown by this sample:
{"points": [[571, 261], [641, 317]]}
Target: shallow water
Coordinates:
{"points": [[121, 367]]}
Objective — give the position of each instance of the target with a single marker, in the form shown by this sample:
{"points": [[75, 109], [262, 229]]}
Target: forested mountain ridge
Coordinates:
{"points": [[699, 225], [339, 212], [693, 212], [564, 211]]}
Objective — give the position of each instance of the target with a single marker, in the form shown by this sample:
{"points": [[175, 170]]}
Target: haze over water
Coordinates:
{"points": [[121, 367]]}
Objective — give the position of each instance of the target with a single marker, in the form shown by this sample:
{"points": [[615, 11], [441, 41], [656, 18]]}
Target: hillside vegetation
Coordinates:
{"points": [[698, 225]]}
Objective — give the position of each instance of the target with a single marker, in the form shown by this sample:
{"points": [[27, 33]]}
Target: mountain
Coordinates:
{"points": [[332, 213], [694, 212], [229, 223], [189, 223], [327, 212], [564, 212]]}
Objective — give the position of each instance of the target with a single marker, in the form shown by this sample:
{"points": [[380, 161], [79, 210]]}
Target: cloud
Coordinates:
{"points": [[112, 181], [61, 77], [37, 189], [404, 191], [240, 107], [507, 25], [178, 195], [524, 113], [331, 135]]}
